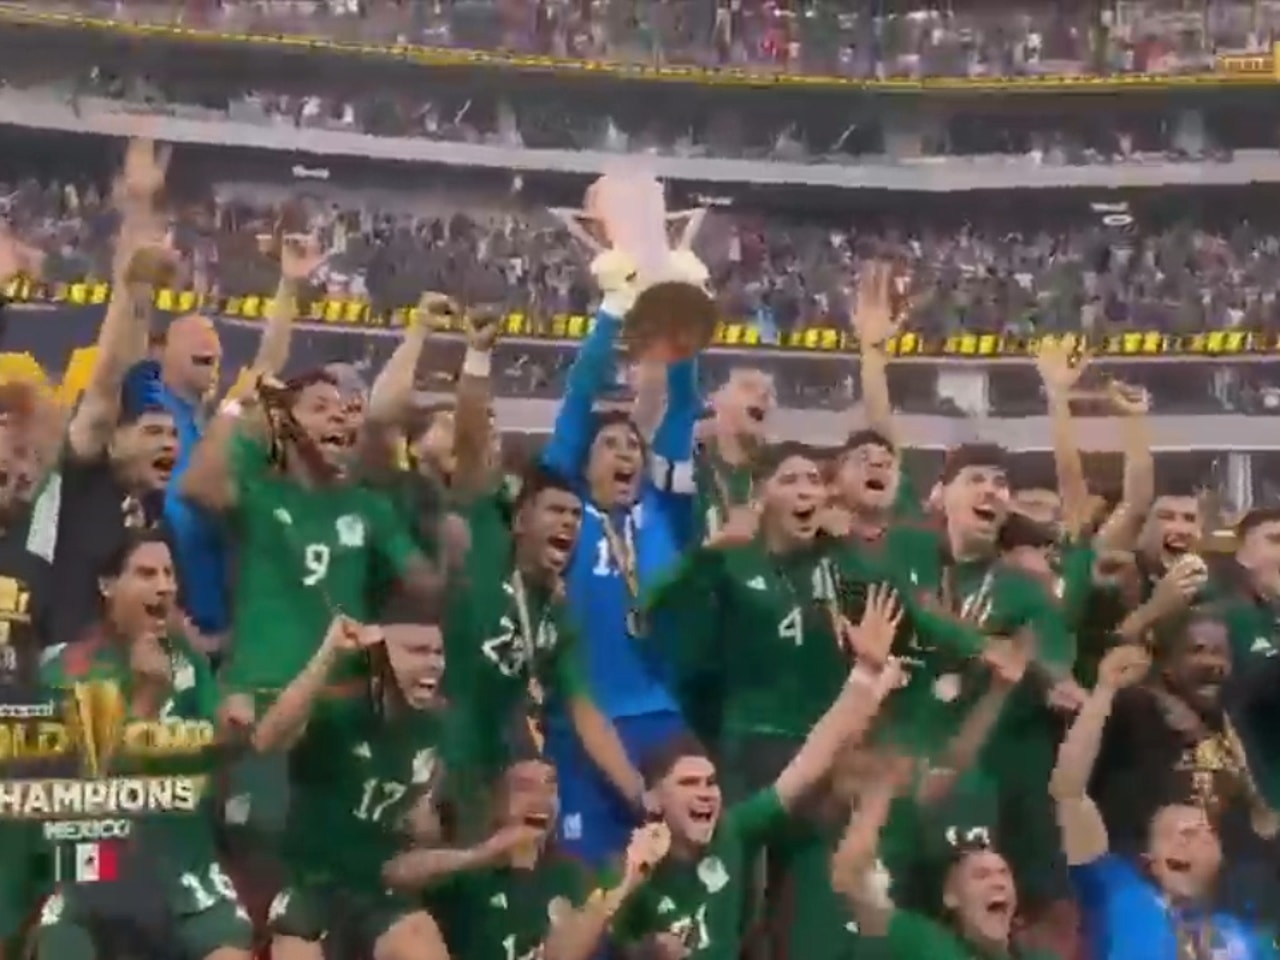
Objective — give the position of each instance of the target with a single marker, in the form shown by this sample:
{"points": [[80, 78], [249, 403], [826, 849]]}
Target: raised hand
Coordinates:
{"points": [[483, 326], [872, 639], [1124, 666], [1060, 363], [739, 528], [649, 845], [435, 311], [347, 636], [300, 256], [1128, 401], [873, 310], [1180, 583], [142, 177]]}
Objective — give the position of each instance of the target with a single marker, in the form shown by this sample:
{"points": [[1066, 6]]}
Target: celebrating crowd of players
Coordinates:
{"points": [[678, 691]]}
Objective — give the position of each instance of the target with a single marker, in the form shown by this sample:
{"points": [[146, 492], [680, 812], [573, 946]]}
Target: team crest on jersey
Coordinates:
{"points": [[350, 531], [184, 674], [712, 874]]}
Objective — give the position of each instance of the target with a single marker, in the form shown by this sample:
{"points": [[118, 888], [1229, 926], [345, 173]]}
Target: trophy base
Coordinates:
{"points": [[670, 321]]}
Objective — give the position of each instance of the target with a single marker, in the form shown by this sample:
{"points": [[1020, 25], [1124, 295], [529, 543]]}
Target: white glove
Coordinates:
{"points": [[686, 266], [615, 274]]}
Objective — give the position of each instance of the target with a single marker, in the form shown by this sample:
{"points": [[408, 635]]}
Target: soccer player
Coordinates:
{"points": [[740, 411], [188, 369], [163, 680], [510, 636], [694, 900], [310, 542], [513, 895], [757, 609], [978, 905], [361, 760], [638, 508]]}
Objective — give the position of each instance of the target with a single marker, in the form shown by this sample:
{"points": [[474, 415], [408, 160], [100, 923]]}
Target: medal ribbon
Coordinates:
{"points": [[528, 642], [623, 550]]}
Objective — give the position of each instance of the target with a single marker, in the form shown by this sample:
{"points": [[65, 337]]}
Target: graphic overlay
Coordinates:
{"points": [[76, 764]]}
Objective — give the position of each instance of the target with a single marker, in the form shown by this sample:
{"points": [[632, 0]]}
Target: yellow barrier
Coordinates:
{"points": [[1232, 70], [825, 339]]}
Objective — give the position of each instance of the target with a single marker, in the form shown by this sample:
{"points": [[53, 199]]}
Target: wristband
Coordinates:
{"points": [[232, 408], [477, 363]]}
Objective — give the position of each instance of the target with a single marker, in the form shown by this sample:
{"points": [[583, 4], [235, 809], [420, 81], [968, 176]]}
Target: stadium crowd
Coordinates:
{"points": [[885, 39], [678, 688]]}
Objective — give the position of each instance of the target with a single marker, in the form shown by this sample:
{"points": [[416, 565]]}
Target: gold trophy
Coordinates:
{"points": [[673, 316]]}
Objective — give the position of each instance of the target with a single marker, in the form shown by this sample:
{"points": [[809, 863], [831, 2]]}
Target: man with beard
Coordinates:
{"points": [[693, 902], [1247, 593], [176, 887], [513, 896], [755, 613], [1166, 903], [722, 464], [636, 517], [1174, 527], [1171, 737], [511, 638], [360, 762], [190, 357], [309, 543]]}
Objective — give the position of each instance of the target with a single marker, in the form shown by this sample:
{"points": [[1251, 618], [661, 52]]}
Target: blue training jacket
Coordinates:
{"points": [[621, 680], [196, 536]]}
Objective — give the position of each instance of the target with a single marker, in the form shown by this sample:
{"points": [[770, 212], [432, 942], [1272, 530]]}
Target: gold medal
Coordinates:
{"points": [[947, 688]]}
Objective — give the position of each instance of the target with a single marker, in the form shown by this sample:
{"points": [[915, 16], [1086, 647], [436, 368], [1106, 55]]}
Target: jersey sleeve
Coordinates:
{"points": [[759, 817], [392, 541]]}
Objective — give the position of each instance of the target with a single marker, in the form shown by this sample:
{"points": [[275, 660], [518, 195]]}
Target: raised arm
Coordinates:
{"points": [[286, 720], [232, 447], [391, 397], [1121, 530], [1060, 369], [1084, 836], [473, 414], [566, 454], [874, 323], [141, 258], [853, 711], [672, 461]]}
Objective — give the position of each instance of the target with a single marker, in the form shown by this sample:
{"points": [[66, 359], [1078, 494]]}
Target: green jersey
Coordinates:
{"points": [[355, 774], [508, 642], [704, 901], [914, 935], [505, 913], [718, 487], [178, 840], [815, 921], [303, 553]]}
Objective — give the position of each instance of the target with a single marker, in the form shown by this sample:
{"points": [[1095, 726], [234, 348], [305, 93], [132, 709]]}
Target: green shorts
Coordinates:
{"points": [[62, 933], [320, 911], [257, 791]]}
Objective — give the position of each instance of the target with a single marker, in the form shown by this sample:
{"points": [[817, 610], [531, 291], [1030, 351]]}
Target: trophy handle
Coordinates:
{"points": [[572, 220], [692, 224]]}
